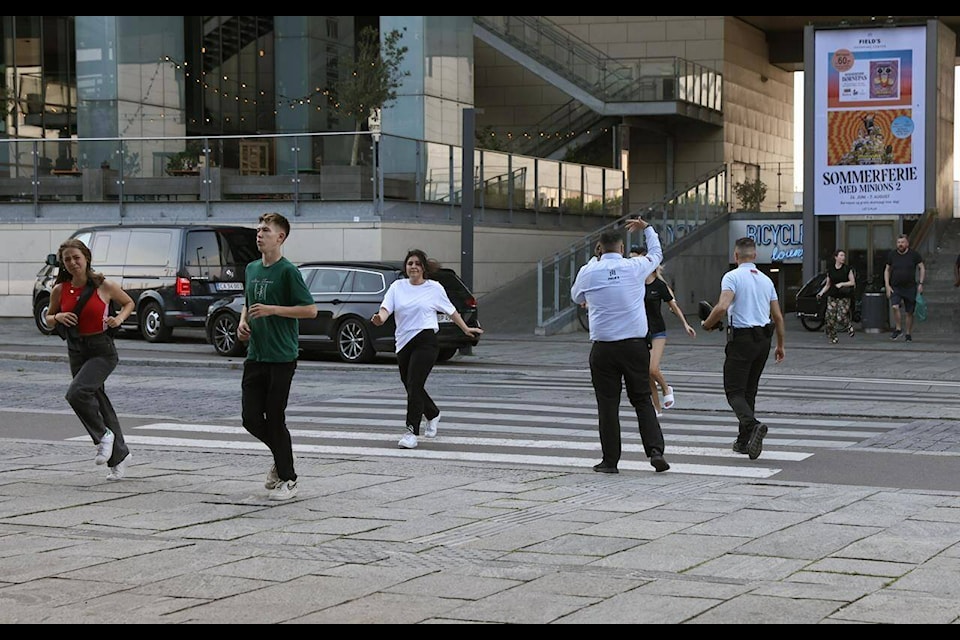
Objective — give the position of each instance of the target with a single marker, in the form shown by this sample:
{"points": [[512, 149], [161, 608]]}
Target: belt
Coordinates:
{"points": [[742, 330], [617, 341], [92, 337]]}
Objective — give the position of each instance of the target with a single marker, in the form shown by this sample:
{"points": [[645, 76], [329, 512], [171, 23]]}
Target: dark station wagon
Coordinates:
{"points": [[347, 294]]}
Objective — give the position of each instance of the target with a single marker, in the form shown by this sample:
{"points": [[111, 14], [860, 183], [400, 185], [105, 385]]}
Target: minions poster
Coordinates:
{"points": [[869, 121]]}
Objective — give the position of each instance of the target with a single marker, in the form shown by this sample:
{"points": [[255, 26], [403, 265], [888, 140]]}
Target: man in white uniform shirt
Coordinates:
{"points": [[751, 300], [612, 286]]}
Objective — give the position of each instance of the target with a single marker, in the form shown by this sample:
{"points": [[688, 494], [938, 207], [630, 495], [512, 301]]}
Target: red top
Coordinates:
{"points": [[93, 316]]}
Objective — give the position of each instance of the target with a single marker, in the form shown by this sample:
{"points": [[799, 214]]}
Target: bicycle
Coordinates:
{"points": [[583, 317]]}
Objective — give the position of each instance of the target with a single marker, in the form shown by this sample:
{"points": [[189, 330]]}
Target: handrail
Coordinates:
{"points": [[921, 230], [303, 168], [675, 217]]}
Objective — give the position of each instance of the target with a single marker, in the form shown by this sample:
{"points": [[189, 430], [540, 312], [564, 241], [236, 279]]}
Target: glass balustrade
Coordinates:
{"points": [[345, 166]]}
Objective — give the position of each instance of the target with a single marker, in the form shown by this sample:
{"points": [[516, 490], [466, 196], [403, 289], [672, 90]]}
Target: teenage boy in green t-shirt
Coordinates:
{"points": [[275, 298]]}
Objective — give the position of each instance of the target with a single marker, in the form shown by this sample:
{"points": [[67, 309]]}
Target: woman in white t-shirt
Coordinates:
{"points": [[415, 302]]}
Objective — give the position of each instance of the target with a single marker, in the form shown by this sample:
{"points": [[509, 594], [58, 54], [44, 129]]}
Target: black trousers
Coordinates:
{"points": [[92, 360], [265, 391], [746, 357], [613, 365], [416, 361]]}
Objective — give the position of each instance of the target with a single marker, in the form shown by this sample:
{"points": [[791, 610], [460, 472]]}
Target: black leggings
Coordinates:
{"points": [[416, 361]]}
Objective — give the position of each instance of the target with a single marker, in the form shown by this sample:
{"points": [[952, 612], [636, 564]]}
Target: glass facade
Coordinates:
{"points": [[440, 85], [131, 86], [133, 108]]}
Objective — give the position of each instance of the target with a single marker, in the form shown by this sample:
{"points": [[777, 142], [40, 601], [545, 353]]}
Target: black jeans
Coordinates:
{"points": [[746, 357], [92, 360], [416, 361], [613, 364], [265, 391]]}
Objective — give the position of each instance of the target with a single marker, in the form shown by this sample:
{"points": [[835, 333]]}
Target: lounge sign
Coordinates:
{"points": [[779, 241]]}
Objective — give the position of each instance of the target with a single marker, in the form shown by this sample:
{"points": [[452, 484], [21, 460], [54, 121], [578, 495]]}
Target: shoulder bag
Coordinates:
{"points": [[63, 330]]}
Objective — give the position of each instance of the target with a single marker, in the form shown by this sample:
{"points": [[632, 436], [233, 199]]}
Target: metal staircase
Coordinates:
{"points": [[602, 88], [571, 124]]}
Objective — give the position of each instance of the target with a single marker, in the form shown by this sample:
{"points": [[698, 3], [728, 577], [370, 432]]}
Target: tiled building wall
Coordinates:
{"points": [[946, 70], [758, 114], [758, 128]]}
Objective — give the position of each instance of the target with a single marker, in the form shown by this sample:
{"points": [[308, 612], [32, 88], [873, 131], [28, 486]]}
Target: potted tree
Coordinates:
{"points": [[751, 194], [369, 79], [186, 160]]}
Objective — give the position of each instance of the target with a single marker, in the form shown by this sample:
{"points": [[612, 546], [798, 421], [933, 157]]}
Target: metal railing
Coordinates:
{"points": [[676, 217], [295, 167], [561, 125], [608, 79]]}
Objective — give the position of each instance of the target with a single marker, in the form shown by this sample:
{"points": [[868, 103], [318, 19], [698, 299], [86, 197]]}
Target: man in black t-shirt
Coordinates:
{"points": [[900, 278]]}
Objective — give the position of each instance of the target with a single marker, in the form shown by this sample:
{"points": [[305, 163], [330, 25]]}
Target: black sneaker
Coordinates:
{"points": [[755, 444], [657, 461], [908, 338], [896, 334], [739, 447], [602, 468]]}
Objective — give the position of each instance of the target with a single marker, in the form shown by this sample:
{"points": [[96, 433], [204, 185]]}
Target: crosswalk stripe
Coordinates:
{"points": [[626, 434], [579, 445], [387, 421], [466, 456], [446, 404], [516, 431]]}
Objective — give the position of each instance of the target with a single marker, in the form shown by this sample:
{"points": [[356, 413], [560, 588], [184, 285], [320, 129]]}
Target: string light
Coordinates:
{"points": [[326, 97]]}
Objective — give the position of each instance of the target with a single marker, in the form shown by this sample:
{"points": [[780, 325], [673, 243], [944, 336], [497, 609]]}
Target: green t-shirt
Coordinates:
{"points": [[275, 338]]}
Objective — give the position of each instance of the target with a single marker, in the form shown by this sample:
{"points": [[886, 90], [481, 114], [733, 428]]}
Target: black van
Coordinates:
{"points": [[172, 272]]}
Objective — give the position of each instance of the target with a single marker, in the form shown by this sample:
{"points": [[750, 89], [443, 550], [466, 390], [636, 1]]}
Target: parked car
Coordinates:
{"points": [[172, 272], [347, 294], [811, 311]]}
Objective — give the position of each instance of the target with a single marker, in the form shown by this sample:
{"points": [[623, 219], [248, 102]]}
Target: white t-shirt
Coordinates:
{"points": [[415, 307]]}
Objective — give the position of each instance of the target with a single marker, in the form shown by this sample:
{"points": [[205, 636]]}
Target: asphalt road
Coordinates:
{"points": [[869, 412]]}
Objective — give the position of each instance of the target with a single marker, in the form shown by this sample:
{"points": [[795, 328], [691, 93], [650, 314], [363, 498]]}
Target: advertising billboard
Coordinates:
{"points": [[869, 121]]}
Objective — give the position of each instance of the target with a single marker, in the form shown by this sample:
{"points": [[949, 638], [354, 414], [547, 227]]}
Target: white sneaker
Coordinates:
{"points": [[120, 471], [284, 491], [105, 448], [430, 431], [408, 441], [273, 480]]}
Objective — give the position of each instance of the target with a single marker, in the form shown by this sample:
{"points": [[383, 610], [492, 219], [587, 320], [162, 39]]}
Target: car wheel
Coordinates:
{"points": [[812, 324], [223, 335], [40, 309], [353, 341], [446, 354], [152, 325]]}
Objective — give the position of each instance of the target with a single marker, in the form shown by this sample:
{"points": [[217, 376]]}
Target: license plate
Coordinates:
{"points": [[229, 286], [442, 317]]}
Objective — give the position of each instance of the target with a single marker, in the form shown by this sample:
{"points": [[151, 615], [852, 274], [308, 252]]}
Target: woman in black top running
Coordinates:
{"points": [[657, 291]]}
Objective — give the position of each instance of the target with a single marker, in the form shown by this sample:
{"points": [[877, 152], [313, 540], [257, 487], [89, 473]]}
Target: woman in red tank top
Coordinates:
{"points": [[92, 353]]}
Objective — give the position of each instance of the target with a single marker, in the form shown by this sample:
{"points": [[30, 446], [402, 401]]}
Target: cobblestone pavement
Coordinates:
{"points": [[189, 536]]}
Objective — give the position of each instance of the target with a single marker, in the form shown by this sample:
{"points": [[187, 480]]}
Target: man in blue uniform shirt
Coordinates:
{"points": [[612, 287], [751, 300]]}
